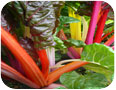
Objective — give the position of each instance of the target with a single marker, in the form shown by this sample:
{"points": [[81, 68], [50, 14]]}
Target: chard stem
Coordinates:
{"points": [[93, 22], [51, 55]]}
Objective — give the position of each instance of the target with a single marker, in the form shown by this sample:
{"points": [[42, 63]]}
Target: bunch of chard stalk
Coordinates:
{"points": [[35, 77]]}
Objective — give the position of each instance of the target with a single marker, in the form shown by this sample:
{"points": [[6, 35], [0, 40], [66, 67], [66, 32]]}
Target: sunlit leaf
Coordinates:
{"points": [[99, 54]]}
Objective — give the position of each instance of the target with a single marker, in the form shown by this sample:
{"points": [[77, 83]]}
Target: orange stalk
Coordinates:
{"points": [[110, 41], [30, 68], [12, 73], [53, 76]]}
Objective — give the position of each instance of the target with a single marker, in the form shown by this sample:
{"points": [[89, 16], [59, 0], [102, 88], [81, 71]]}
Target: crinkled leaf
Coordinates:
{"points": [[73, 80], [13, 14], [99, 54], [67, 20], [40, 16], [73, 42]]}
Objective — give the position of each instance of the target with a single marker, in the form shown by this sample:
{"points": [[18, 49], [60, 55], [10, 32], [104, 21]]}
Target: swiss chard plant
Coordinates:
{"points": [[58, 44]]}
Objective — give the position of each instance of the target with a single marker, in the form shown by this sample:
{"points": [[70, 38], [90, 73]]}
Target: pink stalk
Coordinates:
{"points": [[70, 55], [93, 22], [110, 41], [74, 53]]}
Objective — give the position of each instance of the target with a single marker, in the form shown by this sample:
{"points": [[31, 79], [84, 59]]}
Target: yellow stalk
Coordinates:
{"points": [[75, 28]]}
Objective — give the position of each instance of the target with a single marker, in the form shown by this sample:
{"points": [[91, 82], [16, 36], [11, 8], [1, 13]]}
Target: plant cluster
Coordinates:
{"points": [[37, 35]]}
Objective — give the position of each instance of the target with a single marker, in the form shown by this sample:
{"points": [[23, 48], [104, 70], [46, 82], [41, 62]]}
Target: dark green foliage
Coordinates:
{"points": [[13, 14]]}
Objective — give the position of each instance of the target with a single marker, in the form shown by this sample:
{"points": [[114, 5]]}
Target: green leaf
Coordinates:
{"points": [[59, 43], [99, 69], [57, 56], [66, 30], [73, 42], [109, 21], [67, 20], [112, 77], [73, 80], [99, 54], [108, 30]]}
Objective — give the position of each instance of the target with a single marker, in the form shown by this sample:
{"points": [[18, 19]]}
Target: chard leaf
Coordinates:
{"points": [[109, 21], [57, 57], [108, 30], [59, 43], [73, 80], [99, 69], [73, 42], [40, 16], [67, 20], [13, 14], [99, 54]]}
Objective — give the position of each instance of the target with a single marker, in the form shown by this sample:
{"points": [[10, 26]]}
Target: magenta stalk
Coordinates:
{"points": [[93, 22]]}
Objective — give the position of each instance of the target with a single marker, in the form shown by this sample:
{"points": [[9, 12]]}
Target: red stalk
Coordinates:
{"points": [[12, 73], [29, 66], [100, 27], [106, 35], [53, 76], [44, 61], [110, 41]]}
